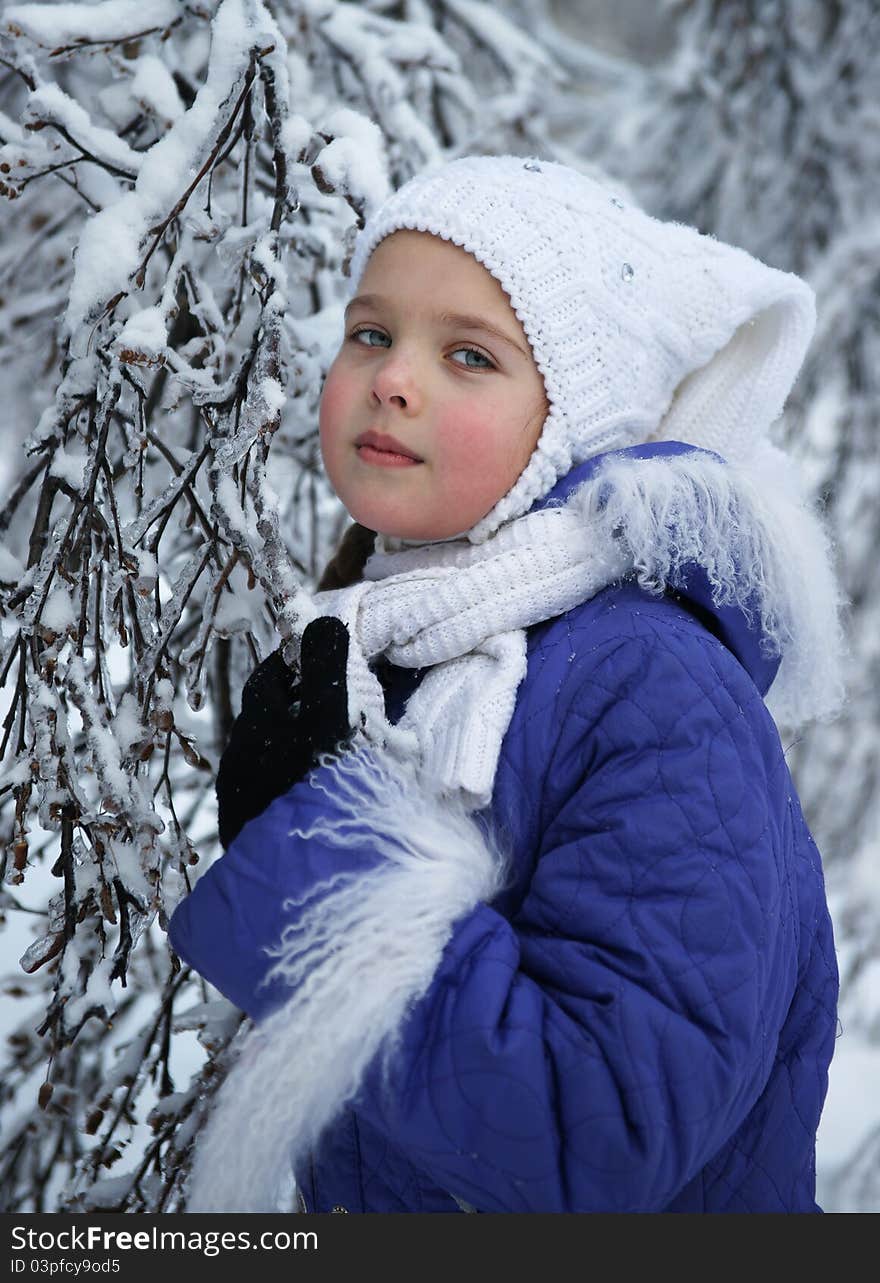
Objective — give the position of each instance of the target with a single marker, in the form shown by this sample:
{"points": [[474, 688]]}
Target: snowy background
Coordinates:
{"points": [[179, 186]]}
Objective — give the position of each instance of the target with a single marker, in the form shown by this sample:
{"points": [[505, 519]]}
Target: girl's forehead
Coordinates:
{"points": [[406, 245], [415, 263]]}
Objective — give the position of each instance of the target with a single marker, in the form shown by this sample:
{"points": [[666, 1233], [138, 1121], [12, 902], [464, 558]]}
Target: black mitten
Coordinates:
{"points": [[287, 719]]}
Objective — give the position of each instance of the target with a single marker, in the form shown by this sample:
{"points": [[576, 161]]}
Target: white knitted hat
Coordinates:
{"points": [[641, 329]]}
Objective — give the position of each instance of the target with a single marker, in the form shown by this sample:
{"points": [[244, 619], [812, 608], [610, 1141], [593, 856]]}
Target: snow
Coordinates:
{"points": [[163, 695], [98, 992], [355, 160], [50, 103], [321, 333], [227, 498], [103, 746], [61, 24], [11, 130], [144, 333], [419, 43], [127, 858], [273, 393], [58, 612], [18, 773], [128, 726], [148, 567], [864, 890], [264, 255], [237, 610], [295, 134], [153, 86], [11, 569], [107, 256], [106, 1192], [515, 47], [69, 464], [115, 240]]}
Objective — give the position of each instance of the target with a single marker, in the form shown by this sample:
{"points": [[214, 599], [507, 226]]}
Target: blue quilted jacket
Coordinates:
{"points": [[643, 1020]]}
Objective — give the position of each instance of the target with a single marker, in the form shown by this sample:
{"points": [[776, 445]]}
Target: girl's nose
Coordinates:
{"points": [[395, 383]]}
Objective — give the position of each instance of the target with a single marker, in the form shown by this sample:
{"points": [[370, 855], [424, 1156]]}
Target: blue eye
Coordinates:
{"points": [[472, 351], [367, 329]]}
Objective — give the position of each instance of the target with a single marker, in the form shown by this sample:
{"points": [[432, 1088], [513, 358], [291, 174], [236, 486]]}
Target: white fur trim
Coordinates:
{"points": [[750, 526], [356, 956]]}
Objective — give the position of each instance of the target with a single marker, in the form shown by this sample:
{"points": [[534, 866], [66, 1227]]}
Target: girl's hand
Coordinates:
{"points": [[287, 719]]}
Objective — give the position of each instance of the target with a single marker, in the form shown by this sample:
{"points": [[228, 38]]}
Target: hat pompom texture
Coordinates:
{"points": [[642, 329]]}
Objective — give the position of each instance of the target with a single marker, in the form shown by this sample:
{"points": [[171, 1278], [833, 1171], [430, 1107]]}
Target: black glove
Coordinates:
{"points": [[287, 719]]}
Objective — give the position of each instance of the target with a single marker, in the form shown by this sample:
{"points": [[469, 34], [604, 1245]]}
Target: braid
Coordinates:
{"points": [[346, 565]]}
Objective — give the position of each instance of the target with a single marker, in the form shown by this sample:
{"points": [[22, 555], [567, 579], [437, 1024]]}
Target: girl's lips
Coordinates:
{"points": [[386, 458]]}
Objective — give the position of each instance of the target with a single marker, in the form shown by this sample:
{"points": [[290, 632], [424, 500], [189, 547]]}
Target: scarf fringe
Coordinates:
{"points": [[763, 546], [358, 952]]}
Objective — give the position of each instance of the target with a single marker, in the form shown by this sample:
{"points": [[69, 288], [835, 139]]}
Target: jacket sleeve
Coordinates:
{"points": [[236, 912], [594, 1053]]}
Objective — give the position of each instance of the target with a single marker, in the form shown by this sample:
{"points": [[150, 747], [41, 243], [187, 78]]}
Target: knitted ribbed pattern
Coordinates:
{"points": [[460, 609], [619, 309]]}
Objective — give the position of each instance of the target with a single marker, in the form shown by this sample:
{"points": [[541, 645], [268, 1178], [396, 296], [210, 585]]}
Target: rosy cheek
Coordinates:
{"points": [[471, 450]]}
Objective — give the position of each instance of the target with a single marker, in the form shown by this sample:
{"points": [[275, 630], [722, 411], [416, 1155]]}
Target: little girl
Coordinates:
{"points": [[547, 932]]}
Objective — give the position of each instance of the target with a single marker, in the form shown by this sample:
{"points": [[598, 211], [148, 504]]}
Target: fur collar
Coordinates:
{"points": [[745, 541]]}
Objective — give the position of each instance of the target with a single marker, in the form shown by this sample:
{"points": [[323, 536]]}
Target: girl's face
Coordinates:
{"points": [[435, 358]]}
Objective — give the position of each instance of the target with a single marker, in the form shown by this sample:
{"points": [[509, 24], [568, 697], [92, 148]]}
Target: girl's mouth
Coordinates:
{"points": [[386, 458]]}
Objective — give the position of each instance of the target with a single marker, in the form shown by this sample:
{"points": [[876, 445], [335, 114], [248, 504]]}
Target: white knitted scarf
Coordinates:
{"points": [[461, 609]]}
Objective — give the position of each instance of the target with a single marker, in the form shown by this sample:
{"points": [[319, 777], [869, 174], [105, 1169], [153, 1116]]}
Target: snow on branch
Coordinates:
{"points": [[62, 27], [117, 244]]}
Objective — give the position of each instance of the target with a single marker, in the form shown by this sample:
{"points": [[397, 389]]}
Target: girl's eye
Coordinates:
{"points": [[367, 329], [472, 351]]}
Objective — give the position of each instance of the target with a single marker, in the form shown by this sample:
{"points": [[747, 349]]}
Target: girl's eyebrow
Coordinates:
{"points": [[463, 320]]}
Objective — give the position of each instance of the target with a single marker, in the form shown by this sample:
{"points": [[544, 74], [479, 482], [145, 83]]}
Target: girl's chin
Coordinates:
{"points": [[393, 530], [396, 529], [405, 521]]}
